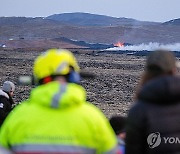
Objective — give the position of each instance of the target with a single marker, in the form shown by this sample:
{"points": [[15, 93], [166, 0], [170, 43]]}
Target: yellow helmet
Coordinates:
{"points": [[54, 62]]}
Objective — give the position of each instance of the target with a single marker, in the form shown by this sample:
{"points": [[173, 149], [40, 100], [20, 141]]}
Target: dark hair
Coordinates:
{"points": [[158, 63], [149, 74], [118, 124]]}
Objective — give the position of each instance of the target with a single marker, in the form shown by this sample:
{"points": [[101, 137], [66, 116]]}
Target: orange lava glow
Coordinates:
{"points": [[119, 44]]}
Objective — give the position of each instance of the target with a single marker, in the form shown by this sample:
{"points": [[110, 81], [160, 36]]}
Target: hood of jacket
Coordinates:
{"points": [[2, 93], [163, 90], [56, 95]]}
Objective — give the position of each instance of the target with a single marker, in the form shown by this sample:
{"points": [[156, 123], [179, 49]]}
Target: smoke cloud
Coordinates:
{"points": [[148, 47]]}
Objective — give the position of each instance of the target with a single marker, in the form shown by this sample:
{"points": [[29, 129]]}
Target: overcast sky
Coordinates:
{"points": [[147, 10]]}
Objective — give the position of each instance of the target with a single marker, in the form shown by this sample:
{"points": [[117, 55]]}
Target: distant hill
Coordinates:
{"points": [[25, 21], [173, 22], [75, 19], [86, 27], [87, 19], [13, 20]]}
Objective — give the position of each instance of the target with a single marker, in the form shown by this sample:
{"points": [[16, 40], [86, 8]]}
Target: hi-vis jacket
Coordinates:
{"points": [[57, 119]]}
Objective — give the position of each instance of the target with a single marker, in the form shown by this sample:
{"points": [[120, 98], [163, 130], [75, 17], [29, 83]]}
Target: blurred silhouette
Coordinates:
{"points": [[156, 114]]}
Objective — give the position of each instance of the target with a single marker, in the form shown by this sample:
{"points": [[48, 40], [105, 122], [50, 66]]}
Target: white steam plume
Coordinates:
{"points": [[148, 47]]}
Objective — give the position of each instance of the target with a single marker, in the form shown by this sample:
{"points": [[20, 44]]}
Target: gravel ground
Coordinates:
{"points": [[112, 90]]}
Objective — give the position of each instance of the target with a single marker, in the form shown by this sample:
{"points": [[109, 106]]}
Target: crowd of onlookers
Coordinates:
{"points": [[57, 119]]}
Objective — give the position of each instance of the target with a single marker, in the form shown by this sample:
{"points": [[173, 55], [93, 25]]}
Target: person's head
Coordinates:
{"points": [[159, 63], [118, 124], [8, 87], [56, 64]]}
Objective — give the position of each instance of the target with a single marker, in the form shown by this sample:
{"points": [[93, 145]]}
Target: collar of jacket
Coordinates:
{"points": [[2, 93], [163, 90], [56, 95]]}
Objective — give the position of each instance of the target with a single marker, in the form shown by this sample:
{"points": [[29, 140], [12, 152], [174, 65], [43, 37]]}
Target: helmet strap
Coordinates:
{"points": [[45, 80], [74, 77]]}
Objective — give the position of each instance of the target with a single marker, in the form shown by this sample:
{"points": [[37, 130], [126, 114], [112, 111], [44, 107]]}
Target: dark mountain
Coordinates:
{"points": [[75, 19], [16, 21], [173, 22], [108, 30], [87, 19], [13, 20]]}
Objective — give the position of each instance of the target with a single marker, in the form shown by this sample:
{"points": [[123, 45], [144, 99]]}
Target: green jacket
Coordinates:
{"points": [[57, 118]]}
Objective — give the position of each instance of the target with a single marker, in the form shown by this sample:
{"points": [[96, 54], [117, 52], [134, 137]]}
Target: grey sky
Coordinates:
{"points": [[148, 10]]}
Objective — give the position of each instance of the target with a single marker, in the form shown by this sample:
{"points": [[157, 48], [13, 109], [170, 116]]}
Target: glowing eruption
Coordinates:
{"points": [[148, 47], [119, 44]]}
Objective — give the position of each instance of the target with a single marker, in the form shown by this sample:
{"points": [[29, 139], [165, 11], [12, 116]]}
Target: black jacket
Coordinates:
{"points": [[6, 103], [157, 111]]}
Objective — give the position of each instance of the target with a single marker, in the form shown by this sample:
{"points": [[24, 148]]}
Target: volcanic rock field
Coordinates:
{"points": [[112, 90]]}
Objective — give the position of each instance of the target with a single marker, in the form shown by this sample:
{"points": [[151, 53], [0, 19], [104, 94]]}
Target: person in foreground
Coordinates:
{"points": [[6, 101], [155, 118], [56, 118]]}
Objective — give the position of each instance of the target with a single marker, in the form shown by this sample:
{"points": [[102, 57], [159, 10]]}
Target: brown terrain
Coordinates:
{"points": [[117, 75], [20, 32], [112, 90]]}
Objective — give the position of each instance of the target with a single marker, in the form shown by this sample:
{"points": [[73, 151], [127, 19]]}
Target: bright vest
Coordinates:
{"points": [[57, 119]]}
